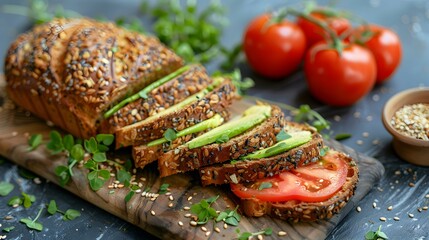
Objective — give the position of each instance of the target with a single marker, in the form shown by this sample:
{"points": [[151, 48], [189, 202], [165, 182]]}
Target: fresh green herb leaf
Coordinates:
{"points": [[28, 199], [282, 135], [33, 224], [71, 214], [15, 201], [68, 142], [99, 157], [129, 196], [106, 139], [77, 152], [222, 139], [34, 141], [163, 188], [6, 188], [342, 136], [91, 164], [247, 235], [170, 135], [55, 145], [98, 178], [52, 207], [371, 235], [241, 84], [63, 173], [123, 177], [265, 185], [324, 151], [91, 145], [96, 184], [230, 217], [203, 210], [8, 229], [221, 216]]}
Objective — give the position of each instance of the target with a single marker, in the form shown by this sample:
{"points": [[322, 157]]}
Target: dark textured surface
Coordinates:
{"points": [[408, 18]]}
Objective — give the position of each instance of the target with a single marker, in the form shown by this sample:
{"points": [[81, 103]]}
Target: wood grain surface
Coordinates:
{"points": [[16, 125]]}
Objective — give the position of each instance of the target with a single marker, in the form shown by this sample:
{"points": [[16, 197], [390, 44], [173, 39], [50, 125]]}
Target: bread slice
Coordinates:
{"points": [[216, 101], [70, 71], [183, 159], [299, 211], [174, 91], [252, 170]]}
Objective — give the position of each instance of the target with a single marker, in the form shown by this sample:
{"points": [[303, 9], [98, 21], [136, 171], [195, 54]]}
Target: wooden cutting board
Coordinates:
{"points": [[16, 125]]}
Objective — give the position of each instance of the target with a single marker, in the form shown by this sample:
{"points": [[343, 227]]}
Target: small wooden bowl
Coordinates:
{"points": [[410, 149]]}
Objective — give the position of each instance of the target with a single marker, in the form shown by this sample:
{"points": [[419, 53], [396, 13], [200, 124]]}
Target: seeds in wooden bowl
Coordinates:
{"points": [[412, 120]]}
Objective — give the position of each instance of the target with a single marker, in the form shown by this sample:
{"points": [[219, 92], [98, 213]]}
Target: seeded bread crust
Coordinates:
{"points": [[166, 95], [216, 101], [252, 170], [183, 159], [144, 155], [298, 211], [71, 71]]}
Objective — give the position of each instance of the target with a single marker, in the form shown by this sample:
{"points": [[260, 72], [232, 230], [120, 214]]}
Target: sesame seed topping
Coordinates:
{"points": [[188, 215], [410, 215], [217, 229], [225, 226], [383, 219], [427, 196], [374, 204], [389, 208], [193, 223], [358, 209], [180, 223], [396, 218], [204, 229], [189, 198], [152, 212], [186, 208], [208, 233], [260, 237], [170, 205], [425, 208], [171, 198], [281, 233]]}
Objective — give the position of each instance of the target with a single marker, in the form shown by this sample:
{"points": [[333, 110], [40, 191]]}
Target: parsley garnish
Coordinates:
{"points": [[170, 135], [34, 142], [8, 229], [342, 136], [33, 223], [25, 199], [230, 217], [163, 188], [265, 185], [6, 188], [282, 135], [246, 235], [204, 211], [242, 84], [69, 214], [371, 235]]}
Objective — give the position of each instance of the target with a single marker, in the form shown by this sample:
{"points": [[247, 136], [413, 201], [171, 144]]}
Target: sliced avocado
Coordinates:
{"points": [[296, 139], [213, 122], [182, 104], [250, 118], [143, 93]]}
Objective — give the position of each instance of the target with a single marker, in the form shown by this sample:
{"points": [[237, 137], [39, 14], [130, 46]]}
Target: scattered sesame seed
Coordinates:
{"points": [[374, 204], [281, 233], [358, 209], [171, 198], [208, 233], [425, 208], [375, 142], [15, 205], [389, 208], [153, 199], [193, 223], [186, 208], [365, 134], [410, 215], [427, 196], [369, 118], [260, 237], [143, 194], [189, 198], [217, 229], [376, 97], [152, 212], [116, 181], [396, 218], [411, 184], [204, 229], [188, 215], [37, 180], [170, 205], [138, 190], [167, 193], [380, 189], [180, 223], [356, 114], [217, 211], [383, 219], [419, 209], [8, 217], [337, 118], [359, 142], [225, 226], [397, 172]]}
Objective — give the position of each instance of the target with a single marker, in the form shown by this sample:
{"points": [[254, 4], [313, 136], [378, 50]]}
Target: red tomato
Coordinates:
{"points": [[273, 50], [386, 47], [315, 34], [313, 183], [339, 79]]}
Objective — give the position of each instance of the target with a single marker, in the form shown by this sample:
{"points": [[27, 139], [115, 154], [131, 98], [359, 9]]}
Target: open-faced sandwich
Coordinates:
{"points": [[89, 77]]}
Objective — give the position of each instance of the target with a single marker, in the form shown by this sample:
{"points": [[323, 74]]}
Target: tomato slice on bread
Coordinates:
{"points": [[312, 183]]}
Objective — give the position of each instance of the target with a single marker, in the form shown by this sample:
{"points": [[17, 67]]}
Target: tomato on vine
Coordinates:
{"points": [[314, 33], [274, 48], [339, 76], [384, 44]]}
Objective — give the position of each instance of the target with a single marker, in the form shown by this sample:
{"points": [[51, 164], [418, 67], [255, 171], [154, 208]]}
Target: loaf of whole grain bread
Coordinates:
{"points": [[71, 71]]}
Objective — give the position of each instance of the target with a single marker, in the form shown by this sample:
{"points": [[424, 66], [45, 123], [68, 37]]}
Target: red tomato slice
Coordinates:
{"points": [[314, 183]]}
